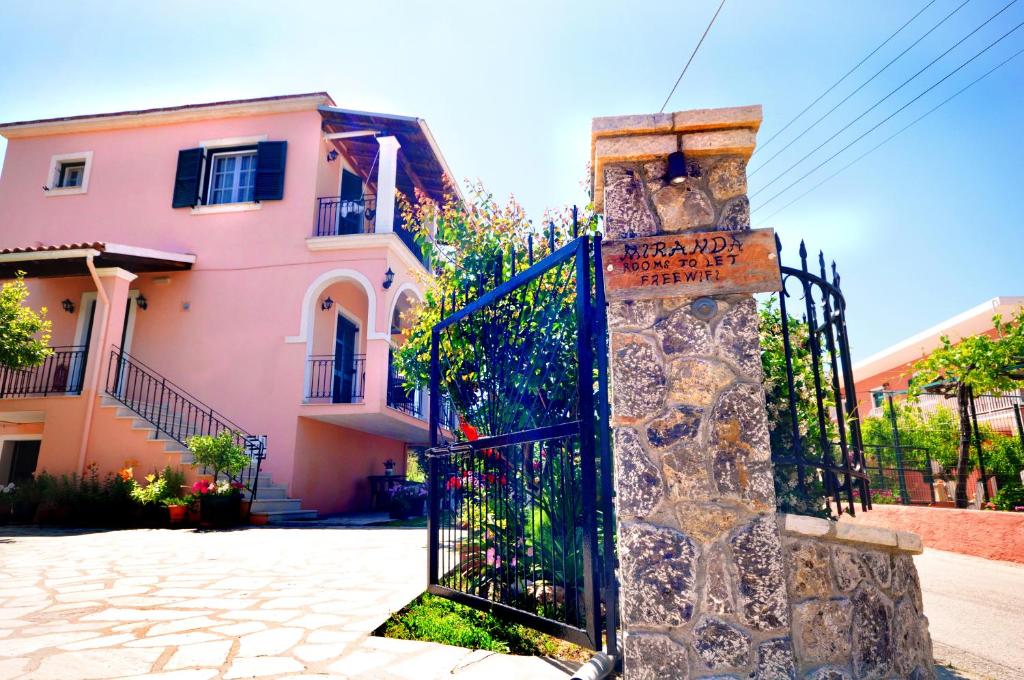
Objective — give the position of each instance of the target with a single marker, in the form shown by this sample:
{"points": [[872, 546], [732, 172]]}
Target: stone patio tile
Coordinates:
{"points": [[105, 593], [143, 601], [238, 629], [269, 642], [174, 640], [316, 621], [276, 615], [182, 625], [96, 663], [243, 583], [189, 592], [115, 614], [202, 654], [332, 636], [197, 674], [9, 613], [311, 653], [263, 666], [28, 645], [491, 666], [95, 643], [11, 667], [290, 602], [224, 603], [22, 591]]}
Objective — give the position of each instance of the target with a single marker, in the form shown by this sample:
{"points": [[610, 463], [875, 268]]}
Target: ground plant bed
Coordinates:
{"points": [[430, 618]]}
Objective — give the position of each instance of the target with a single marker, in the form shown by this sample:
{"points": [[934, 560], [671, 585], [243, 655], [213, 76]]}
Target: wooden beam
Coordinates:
{"points": [[352, 133]]}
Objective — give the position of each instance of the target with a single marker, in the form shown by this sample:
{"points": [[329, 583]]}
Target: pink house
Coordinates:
{"points": [[226, 265]]}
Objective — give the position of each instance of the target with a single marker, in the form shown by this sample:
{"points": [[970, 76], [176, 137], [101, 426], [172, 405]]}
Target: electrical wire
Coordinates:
{"points": [[903, 129], [845, 76], [690, 60], [891, 93], [894, 113]]}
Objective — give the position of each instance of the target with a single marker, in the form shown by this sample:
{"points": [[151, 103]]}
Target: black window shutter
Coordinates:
{"points": [[186, 180], [270, 157]]}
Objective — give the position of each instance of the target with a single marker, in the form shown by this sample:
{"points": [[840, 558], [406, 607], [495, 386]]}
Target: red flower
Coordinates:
{"points": [[468, 430]]}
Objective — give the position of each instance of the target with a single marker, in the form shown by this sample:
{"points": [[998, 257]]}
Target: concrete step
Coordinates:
{"points": [[282, 517], [262, 504], [270, 492]]}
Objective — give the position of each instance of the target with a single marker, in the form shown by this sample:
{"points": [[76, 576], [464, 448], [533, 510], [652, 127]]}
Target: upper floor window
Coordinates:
{"points": [[232, 177], [68, 173]]}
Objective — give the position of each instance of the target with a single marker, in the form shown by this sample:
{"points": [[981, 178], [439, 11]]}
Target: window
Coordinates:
{"points": [[71, 174], [232, 177], [68, 174]]}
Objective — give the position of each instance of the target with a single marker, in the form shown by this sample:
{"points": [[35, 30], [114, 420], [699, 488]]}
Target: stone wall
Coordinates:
{"points": [[704, 590], [854, 601]]}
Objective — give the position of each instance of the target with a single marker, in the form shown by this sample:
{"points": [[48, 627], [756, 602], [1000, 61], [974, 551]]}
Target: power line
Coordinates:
{"points": [[903, 129], [875, 105], [861, 86], [845, 76], [894, 113], [694, 54]]}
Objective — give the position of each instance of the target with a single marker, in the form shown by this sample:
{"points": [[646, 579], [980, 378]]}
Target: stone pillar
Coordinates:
{"points": [[702, 584]]}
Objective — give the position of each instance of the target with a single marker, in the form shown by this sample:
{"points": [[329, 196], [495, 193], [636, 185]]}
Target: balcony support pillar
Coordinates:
{"points": [[387, 172]]}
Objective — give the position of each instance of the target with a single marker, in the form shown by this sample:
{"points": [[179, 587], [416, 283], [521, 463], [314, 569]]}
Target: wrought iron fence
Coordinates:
{"points": [[60, 373], [521, 519], [326, 379], [336, 215], [815, 429], [400, 397], [176, 413], [900, 474]]}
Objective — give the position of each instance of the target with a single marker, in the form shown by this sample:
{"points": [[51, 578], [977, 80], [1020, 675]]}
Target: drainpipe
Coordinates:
{"points": [[600, 666], [102, 296]]}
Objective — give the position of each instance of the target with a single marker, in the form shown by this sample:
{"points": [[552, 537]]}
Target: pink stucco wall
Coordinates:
{"points": [[219, 330]]}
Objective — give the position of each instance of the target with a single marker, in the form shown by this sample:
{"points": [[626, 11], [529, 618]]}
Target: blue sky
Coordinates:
{"points": [[923, 228]]}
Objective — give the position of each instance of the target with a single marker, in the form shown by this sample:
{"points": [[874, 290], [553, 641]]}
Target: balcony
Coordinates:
{"points": [[60, 374], [337, 216], [328, 382]]}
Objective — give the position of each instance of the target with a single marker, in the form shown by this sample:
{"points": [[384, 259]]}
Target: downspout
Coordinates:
{"points": [[102, 296]]}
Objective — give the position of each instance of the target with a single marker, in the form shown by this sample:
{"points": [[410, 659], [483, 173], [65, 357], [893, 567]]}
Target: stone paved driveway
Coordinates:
{"points": [[182, 605]]}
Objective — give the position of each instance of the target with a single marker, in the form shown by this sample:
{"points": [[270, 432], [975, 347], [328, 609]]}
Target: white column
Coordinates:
{"points": [[387, 169]]}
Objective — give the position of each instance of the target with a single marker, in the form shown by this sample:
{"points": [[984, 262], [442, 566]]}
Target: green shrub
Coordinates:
{"points": [[1010, 498], [220, 453]]}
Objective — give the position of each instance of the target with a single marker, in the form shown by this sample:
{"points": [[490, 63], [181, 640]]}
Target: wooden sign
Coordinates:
{"points": [[704, 263]]}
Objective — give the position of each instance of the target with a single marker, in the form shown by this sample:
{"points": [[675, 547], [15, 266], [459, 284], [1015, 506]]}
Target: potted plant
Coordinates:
{"points": [[176, 508], [407, 501], [220, 500], [389, 467], [6, 503]]}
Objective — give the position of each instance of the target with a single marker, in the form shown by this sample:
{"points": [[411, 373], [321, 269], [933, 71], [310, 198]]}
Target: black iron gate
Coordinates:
{"points": [[520, 497]]}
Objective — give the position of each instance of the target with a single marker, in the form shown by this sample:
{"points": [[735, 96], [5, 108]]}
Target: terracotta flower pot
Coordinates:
{"points": [[177, 513], [259, 519]]}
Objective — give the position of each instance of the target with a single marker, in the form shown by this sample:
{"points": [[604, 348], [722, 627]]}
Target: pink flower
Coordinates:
{"points": [[497, 562], [513, 562], [529, 552], [490, 556]]}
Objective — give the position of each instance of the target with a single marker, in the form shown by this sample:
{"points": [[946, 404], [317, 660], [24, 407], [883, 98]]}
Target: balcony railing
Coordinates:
{"points": [[325, 383], [336, 216], [60, 373], [402, 399]]}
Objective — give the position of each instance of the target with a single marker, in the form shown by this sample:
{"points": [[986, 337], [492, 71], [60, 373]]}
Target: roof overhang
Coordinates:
{"points": [[420, 163], [974, 321], [69, 259], [164, 115]]}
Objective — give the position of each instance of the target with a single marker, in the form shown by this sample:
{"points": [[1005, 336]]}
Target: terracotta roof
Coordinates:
{"points": [[47, 260], [164, 109], [94, 245]]}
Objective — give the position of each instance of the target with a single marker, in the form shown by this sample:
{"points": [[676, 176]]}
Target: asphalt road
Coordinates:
{"points": [[975, 610]]}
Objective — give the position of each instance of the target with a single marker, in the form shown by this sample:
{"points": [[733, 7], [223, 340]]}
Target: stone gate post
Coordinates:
{"points": [[703, 588]]}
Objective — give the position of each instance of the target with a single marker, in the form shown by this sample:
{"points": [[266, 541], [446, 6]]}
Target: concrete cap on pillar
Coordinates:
{"points": [[645, 137]]}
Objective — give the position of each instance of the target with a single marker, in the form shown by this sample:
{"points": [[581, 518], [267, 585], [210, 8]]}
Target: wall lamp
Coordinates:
{"points": [[332, 155], [142, 302], [676, 172], [327, 303], [68, 306], [389, 278]]}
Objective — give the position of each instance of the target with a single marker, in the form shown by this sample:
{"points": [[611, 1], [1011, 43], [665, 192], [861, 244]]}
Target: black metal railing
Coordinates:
{"points": [[327, 380], [816, 440], [900, 474], [403, 399], [336, 216], [176, 413], [60, 373]]}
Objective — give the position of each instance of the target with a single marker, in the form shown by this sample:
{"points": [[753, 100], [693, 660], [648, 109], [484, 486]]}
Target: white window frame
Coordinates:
{"points": [[53, 175], [215, 157]]}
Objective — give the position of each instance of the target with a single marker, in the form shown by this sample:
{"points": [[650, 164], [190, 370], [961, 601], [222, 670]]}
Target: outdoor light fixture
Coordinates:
{"points": [[389, 278], [676, 173], [142, 302], [327, 303], [68, 306], [332, 155]]}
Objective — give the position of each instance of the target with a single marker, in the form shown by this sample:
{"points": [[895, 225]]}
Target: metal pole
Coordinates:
{"points": [[904, 496], [977, 444], [1020, 424]]}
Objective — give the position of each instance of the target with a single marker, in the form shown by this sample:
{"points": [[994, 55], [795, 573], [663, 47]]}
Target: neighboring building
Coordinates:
{"points": [[894, 366], [214, 264]]}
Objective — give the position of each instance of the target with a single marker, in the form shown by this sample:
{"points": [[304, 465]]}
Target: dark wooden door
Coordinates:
{"points": [[24, 461], [344, 361], [350, 210]]}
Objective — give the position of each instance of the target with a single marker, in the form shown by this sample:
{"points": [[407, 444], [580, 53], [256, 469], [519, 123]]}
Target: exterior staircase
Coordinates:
{"points": [[180, 416]]}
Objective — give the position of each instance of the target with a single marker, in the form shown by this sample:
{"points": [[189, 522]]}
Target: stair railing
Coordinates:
{"points": [[176, 413]]}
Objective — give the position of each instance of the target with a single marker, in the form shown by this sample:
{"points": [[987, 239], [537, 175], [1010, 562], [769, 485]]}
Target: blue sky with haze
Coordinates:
{"points": [[923, 228]]}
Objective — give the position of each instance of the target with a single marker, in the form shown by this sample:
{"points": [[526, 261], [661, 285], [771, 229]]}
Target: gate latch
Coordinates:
{"points": [[448, 450]]}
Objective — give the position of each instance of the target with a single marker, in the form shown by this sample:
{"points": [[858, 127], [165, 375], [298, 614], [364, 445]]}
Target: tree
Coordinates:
{"points": [[975, 365], [24, 333]]}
